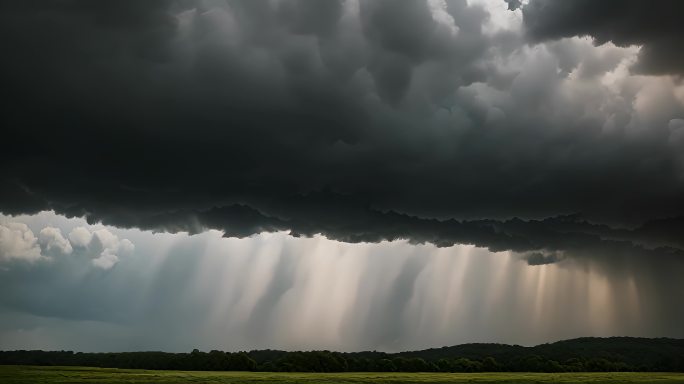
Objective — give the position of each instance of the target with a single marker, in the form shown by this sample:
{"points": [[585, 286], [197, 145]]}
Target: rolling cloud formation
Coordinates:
{"points": [[656, 26], [334, 117]]}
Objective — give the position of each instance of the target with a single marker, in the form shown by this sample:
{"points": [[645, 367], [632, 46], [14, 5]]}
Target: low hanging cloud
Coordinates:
{"points": [[656, 26], [539, 258], [332, 117], [101, 247]]}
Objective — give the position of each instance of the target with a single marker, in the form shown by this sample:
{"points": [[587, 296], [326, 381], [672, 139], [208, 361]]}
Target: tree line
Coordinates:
{"points": [[579, 355]]}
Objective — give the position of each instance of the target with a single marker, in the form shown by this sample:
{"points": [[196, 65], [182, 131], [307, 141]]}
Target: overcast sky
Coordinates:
{"points": [[358, 174]]}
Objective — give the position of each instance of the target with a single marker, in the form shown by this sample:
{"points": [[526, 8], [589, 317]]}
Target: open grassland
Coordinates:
{"points": [[37, 375]]}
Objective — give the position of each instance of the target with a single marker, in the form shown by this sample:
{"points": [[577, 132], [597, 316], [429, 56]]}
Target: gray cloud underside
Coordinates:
{"points": [[324, 117], [656, 25]]}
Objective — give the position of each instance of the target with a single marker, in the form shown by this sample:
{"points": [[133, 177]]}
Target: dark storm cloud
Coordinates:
{"points": [[363, 124], [539, 258], [513, 4], [655, 25]]}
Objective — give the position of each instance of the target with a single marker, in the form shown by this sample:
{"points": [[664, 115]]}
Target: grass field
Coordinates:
{"points": [[38, 375]]}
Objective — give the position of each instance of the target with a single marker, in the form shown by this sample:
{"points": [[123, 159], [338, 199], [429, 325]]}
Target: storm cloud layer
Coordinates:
{"points": [[654, 25], [359, 120]]}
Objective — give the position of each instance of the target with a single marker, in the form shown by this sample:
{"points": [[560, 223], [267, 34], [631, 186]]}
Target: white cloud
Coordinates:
{"points": [[80, 237], [126, 246], [102, 246], [106, 260], [51, 240], [18, 242], [438, 9]]}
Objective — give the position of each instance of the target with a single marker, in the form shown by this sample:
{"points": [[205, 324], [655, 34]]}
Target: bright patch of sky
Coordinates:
{"points": [[275, 291]]}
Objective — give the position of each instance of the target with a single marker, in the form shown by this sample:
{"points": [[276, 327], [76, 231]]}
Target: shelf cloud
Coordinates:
{"points": [[655, 26], [333, 117]]}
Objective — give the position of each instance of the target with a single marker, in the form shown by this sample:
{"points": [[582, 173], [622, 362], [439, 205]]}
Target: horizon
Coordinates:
{"points": [[363, 351]]}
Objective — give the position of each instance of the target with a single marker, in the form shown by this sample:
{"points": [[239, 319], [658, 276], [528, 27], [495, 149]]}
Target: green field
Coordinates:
{"points": [[37, 375]]}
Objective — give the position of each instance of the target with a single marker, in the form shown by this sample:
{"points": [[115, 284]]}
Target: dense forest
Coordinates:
{"points": [[577, 355]]}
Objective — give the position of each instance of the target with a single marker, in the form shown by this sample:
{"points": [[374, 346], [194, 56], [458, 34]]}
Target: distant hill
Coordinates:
{"points": [[474, 351], [576, 355], [633, 351]]}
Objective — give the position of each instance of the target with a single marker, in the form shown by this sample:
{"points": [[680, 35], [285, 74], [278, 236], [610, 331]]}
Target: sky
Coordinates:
{"points": [[339, 174]]}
